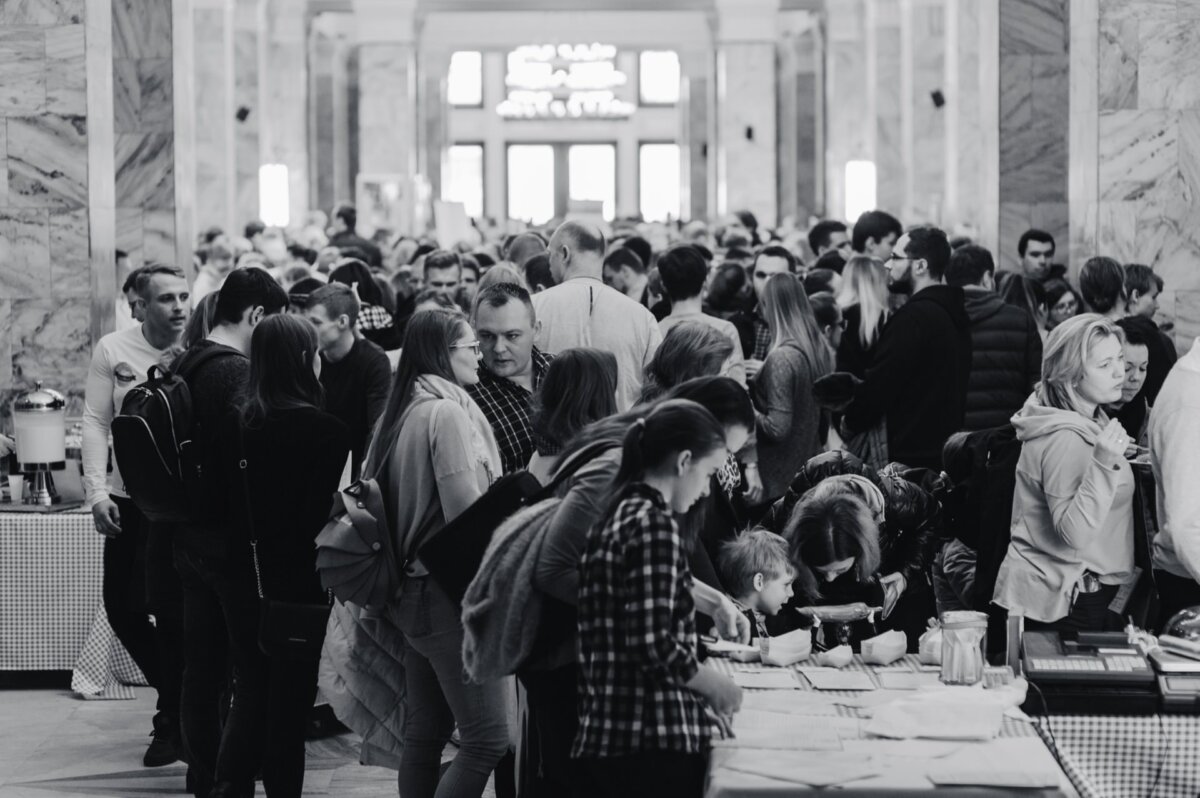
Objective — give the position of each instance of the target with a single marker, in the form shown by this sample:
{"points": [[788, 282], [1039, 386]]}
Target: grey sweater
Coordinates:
{"points": [[788, 417]]}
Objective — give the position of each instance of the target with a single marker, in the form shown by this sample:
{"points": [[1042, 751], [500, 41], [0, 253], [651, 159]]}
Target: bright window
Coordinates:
{"points": [[860, 188], [464, 86], [273, 194], [658, 181], [531, 182], [592, 170], [462, 177], [658, 77]]}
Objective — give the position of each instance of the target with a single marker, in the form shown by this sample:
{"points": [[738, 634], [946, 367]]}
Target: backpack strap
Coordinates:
{"points": [[577, 461]]}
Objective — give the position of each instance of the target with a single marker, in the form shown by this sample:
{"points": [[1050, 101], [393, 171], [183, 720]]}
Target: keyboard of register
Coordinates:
{"points": [[1109, 664]]}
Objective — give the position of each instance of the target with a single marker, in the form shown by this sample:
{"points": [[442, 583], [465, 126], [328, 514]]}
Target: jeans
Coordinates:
{"points": [[1174, 594], [553, 720], [140, 581], [651, 774], [439, 695]]}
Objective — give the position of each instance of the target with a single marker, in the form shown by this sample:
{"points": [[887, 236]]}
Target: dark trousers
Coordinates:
{"points": [[140, 581], [1174, 594], [652, 774], [553, 721], [1089, 613]]}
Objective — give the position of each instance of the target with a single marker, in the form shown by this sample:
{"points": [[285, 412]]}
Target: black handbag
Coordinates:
{"points": [[286, 629], [452, 555]]}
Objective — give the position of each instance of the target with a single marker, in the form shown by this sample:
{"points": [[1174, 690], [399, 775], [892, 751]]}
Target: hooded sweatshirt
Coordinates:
{"points": [[1070, 514], [1006, 359], [917, 380]]}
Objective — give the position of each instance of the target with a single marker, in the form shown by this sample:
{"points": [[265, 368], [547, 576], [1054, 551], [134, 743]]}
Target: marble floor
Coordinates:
{"points": [[55, 745]]}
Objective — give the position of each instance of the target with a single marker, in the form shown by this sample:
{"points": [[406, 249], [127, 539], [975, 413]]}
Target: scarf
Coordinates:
{"points": [[483, 440]]}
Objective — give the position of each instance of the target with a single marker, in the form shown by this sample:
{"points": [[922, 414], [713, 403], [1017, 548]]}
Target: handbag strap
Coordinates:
{"points": [[243, 468], [577, 461]]}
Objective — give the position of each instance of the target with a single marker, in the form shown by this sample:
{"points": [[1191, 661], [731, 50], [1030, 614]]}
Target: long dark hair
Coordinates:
{"points": [[282, 349], [827, 527], [427, 341], [720, 396], [579, 387], [670, 427], [354, 273]]}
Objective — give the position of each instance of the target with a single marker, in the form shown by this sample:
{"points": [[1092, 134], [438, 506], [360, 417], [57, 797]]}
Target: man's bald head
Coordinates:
{"points": [[524, 247], [576, 248]]}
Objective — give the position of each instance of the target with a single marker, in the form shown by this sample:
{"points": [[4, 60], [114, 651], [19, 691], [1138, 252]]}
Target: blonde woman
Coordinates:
{"points": [[1072, 518], [864, 303], [788, 419]]}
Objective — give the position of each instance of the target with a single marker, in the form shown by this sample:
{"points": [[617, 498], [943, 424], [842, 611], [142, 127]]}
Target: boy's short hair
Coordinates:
{"points": [[338, 299], [755, 551]]}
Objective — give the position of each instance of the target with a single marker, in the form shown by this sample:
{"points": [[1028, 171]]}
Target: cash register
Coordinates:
{"points": [[1177, 663], [1091, 673]]}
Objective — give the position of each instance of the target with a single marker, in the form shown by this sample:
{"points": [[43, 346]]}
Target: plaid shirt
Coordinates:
{"points": [[506, 406], [637, 636], [762, 336], [373, 317]]}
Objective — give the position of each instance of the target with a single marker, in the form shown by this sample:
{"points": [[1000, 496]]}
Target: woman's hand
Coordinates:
{"points": [[893, 586], [719, 690], [754, 485], [1111, 444]]}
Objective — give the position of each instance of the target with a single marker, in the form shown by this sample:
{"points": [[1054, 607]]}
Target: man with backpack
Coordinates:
{"points": [[214, 595], [138, 577]]}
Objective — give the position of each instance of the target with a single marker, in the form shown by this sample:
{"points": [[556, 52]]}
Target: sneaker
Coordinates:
{"points": [[164, 745]]}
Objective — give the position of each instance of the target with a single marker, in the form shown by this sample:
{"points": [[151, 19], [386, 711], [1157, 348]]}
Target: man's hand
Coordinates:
{"points": [[893, 586], [754, 486], [107, 518], [7, 446]]}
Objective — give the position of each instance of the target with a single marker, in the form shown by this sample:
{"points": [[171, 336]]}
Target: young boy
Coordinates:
{"points": [[755, 569]]}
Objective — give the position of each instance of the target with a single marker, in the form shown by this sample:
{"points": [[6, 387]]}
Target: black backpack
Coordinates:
{"points": [[152, 441]]}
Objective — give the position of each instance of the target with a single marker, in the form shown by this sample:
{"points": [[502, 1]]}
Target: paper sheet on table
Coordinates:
{"points": [[937, 717], [904, 749], [839, 680], [792, 738], [823, 771], [766, 680], [908, 681], [990, 765], [810, 704], [869, 700]]}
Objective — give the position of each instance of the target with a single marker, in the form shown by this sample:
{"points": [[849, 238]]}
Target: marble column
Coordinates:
{"points": [[321, 120], [433, 67], [962, 153], [923, 71], [284, 120], [388, 124], [216, 163], [745, 111], [695, 71], [800, 53], [86, 131], [887, 103], [1135, 144], [248, 34], [850, 131]]}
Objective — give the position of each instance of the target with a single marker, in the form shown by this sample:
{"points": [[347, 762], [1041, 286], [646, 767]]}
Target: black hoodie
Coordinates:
{"points": [[918, 376]]}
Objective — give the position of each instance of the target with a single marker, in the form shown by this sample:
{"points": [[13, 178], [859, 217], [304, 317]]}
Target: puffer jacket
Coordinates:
{"points": [[362, 677], [1006, 359]]}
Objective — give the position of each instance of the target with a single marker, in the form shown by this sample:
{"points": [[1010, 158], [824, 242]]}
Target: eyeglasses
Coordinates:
{"points": [[896, 256], [473, 346]]}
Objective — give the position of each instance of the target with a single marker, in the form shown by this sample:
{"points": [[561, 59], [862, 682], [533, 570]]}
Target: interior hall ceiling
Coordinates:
{"points": [[435, 6]]}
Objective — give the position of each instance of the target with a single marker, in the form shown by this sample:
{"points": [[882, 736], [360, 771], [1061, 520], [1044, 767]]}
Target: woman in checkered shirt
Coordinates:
{"points": [[644, 699]]}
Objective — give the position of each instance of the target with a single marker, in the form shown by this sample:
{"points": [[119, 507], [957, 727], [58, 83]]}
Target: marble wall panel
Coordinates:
{"points": [[141, 28], [6, 347], [3, 162], [386, 108], [1034, 27], [748, 106], [158, 236], [1118, 73], [928, 121], [1138, 149], [1187, 319], [70, 267], [1168, 63], [22, 71], [890, 161], [145, 170], [24, 253], [129, 234], [246, 134], [47, 161], [968, 149], [52, 343], [66, 71], [41, 12]]}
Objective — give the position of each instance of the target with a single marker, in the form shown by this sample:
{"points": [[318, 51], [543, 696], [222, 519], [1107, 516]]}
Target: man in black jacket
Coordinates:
{"points": [[1006, 358], [917, 380]]}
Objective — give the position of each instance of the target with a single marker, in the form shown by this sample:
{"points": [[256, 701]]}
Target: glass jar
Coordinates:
{"points": [[964, 646]]}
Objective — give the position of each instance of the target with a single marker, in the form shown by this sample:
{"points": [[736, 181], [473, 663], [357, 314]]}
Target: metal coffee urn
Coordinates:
{"points": [[39, 420]]}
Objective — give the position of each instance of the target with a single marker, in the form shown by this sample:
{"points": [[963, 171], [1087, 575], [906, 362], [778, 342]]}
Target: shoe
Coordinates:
{"points": [[164, 745]]}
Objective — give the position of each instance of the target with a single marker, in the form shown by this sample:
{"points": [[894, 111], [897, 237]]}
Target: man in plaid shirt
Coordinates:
{"points": [[753, 328], [511, 371]]}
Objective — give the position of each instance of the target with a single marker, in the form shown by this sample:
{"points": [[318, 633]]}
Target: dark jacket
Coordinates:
{"points": [[293, 460], [356, 390], [348, 239], [852, 356], [917, 381], [1006, 359]]}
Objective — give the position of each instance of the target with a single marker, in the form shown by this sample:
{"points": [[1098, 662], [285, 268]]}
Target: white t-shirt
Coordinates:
{"points": [[735, 365], [585, 312], [119, 362]]}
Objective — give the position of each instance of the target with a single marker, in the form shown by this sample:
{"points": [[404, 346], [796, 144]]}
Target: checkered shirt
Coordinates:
{"points": [[506, 406], [373, 317], [762, 336], [637, 636]]}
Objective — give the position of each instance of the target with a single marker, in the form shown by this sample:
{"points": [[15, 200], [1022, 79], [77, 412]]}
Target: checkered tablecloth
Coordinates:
{"points": [[51, 609], [1105, 756]]}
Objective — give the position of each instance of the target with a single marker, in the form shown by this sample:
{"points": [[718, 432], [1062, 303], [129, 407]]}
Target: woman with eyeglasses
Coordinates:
{"points": [[433, 455]]}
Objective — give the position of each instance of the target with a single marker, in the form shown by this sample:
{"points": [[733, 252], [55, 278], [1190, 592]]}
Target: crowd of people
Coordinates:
{"points": [[738, 425]]}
